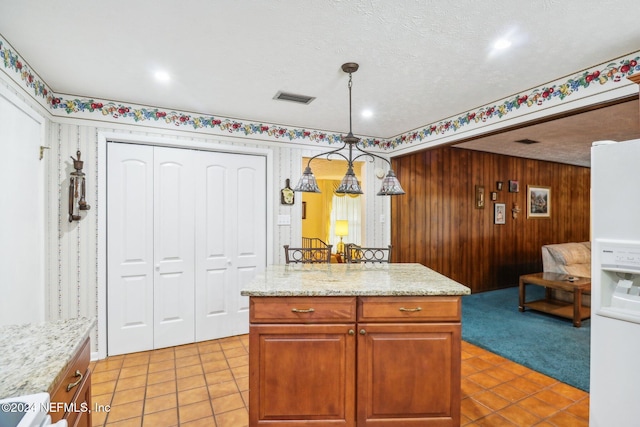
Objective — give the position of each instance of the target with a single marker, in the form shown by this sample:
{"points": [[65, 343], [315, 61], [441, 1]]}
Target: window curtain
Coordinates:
{"points": [[345, 206], [327, 187]]}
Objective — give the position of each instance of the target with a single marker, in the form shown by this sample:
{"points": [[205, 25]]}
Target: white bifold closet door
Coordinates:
{"points": [[230, 240], [186, 229], [173, 247]]}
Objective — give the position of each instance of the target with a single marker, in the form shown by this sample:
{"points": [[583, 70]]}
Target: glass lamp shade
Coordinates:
{"points": [[390, 185], [307, 183], [349, 184], [342, 227]]}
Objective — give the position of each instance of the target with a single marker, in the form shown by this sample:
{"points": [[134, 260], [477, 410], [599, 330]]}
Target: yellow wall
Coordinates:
{"points": [[316, 222]]}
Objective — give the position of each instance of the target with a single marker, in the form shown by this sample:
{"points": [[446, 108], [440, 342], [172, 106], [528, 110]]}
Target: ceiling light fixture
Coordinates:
{"points": [[350, 185], [162, 76], [502, 44]]}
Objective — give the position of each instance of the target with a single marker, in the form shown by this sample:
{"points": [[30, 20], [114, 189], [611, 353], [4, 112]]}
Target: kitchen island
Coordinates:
{"points": [[354, 345]]}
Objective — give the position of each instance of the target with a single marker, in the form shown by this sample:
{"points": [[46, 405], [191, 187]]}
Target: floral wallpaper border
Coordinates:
{"points": [[611, 73]]}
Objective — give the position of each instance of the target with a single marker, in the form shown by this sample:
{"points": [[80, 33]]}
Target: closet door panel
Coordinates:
{"points": [[129, 248], [215, 292], [174, 182], [251, 237], [249, 234], [212, 217], [213, 255], [226, 252]]}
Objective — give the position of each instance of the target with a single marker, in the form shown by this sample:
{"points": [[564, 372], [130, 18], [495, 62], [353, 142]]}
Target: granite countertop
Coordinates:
{"points": [[35, 355], [366, 279]]}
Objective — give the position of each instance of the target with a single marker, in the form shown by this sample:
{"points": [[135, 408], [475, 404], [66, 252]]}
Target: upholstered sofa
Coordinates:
{"points": [[568, 258]]}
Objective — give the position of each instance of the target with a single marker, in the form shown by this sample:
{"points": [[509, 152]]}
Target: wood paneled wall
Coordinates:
{"points": [[437, 224]]}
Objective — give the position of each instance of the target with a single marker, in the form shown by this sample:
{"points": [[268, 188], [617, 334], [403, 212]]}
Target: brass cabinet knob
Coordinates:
{"points": [[352, 332], [363, 332]]}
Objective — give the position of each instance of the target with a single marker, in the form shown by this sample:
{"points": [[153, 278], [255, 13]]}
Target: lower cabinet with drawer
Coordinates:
{"points": [[354, 361], [71, 396]]}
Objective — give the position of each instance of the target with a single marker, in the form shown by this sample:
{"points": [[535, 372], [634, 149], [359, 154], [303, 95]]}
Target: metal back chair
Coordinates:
{"points": [[313, 242], [357, 254], [307, 255]]}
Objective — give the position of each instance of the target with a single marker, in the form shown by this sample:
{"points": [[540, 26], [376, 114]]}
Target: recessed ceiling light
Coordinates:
{"points": [[502, 44], [367, 113], [162, 76]]}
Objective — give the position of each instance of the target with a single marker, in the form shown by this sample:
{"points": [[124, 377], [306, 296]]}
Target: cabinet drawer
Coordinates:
{"points": [[409, 309], [60, 394], [302, 309], [81, 417]]}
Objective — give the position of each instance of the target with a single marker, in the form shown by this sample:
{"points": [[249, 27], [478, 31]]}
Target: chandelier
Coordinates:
{"points": [[350, 184]]}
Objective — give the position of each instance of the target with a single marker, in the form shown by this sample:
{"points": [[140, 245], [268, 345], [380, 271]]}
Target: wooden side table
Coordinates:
{"points": [[576, 285]]}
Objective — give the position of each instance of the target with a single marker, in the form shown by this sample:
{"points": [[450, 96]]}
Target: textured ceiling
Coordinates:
{"points": [[420, 61], [566, 140]]}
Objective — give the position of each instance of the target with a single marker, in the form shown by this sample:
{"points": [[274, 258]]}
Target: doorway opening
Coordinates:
{"points": [[324, 210]]}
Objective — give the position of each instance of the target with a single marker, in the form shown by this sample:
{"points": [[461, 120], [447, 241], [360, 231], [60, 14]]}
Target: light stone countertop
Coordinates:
{"points": [[366, 279], [35, 355]]}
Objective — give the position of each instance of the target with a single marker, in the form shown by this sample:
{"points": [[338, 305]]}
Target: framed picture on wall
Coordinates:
{"points": [[304, 210], [538, 201], [514, 187], [499, 213]]}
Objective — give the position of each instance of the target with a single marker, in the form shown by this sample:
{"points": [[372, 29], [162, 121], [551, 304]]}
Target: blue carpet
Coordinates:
{"points": [[544, 343]]}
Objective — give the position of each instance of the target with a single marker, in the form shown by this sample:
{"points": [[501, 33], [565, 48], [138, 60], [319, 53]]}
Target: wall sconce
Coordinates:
{"points": [[77, 190], [479, 196], [342, 229]]}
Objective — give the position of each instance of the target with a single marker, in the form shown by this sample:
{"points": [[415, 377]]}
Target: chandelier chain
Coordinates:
{"points": [[350, 120]]}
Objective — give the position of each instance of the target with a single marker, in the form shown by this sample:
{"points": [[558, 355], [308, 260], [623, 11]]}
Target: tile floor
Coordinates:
{"points": [[206, 384]]}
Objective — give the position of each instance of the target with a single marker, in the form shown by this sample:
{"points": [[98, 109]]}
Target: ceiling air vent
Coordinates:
{"points": [[527, 141], [292, 97]]}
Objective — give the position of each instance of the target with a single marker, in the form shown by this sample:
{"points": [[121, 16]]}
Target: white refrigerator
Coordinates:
{"points": [[615, 284]]}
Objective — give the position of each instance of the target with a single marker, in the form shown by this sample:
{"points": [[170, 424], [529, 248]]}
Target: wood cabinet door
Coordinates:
{"points": [[408, 374], [302, 375]]}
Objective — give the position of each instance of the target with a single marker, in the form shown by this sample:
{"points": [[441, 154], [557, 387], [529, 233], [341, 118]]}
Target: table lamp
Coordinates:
{"points": [[342, 229]]}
